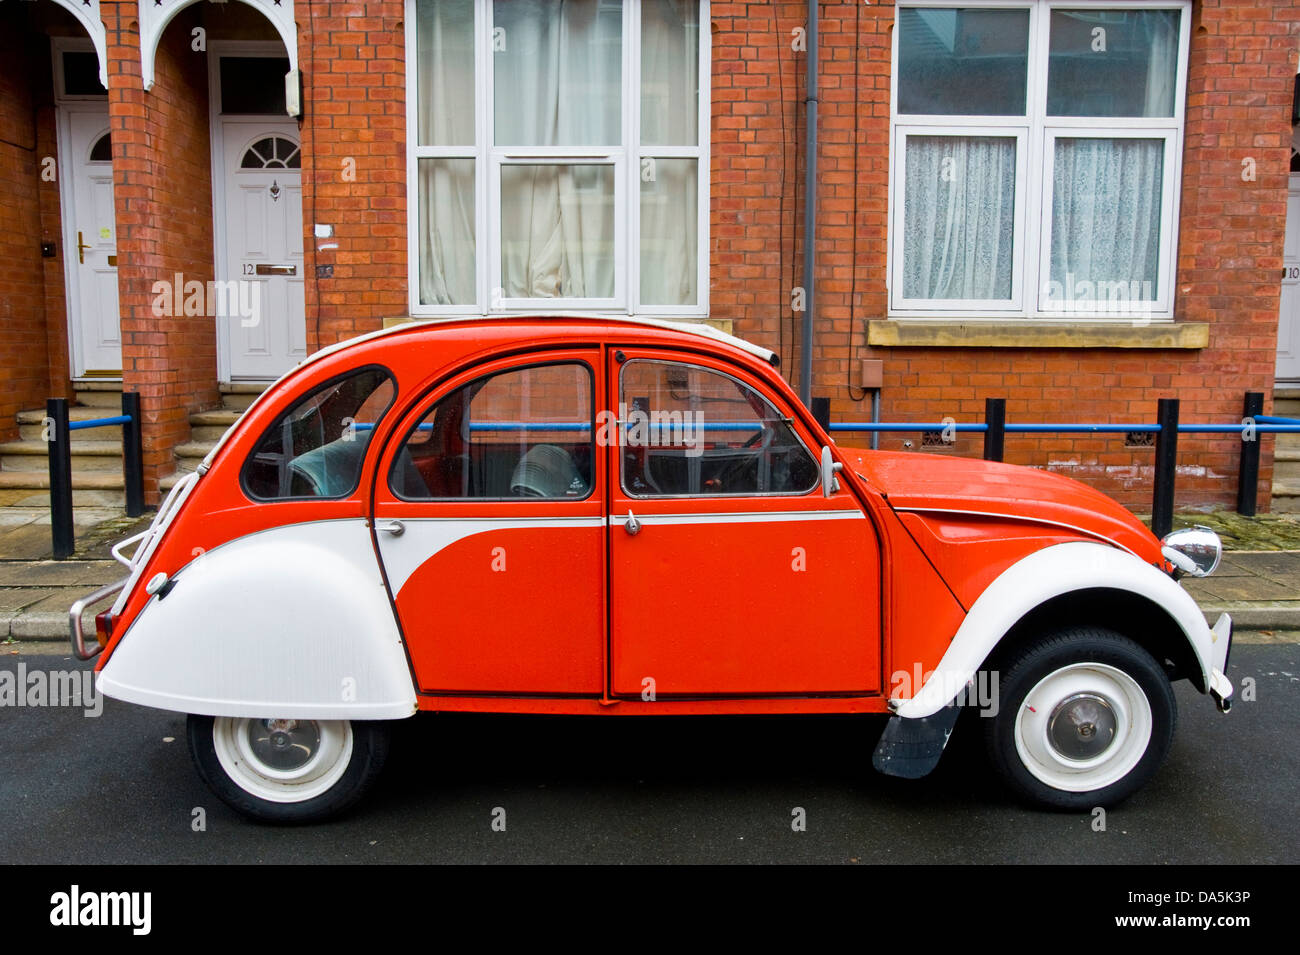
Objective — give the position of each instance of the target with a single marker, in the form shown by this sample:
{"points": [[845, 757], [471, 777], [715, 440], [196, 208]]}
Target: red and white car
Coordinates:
{"points": [[625, 517]]}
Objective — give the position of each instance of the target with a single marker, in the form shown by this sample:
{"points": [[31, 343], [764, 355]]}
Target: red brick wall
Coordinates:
{"points": [[24, 371], [1243, 58], [163, 194], [353, 61]]}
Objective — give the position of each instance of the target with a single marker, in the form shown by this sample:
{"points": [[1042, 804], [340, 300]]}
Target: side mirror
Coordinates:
{"points": [[830, 483]]}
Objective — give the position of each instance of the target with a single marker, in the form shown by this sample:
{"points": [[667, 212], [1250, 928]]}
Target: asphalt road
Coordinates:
{"points": [[120, 788]]}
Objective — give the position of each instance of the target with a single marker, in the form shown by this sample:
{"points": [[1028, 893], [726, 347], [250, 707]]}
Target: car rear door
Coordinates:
{"points": [[730, 573], [490, 521]]}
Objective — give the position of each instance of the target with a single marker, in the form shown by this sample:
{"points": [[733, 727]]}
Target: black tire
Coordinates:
{"points": [[1027, 670], [369, 750]]}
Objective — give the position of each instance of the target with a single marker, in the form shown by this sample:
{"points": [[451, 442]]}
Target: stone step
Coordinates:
{"points": [[237, 396], [205, 434], [1287, 472], [1287, 407], [223, 417], [86, 456], [209, 426], [109, 397], [1286, 495], [38, 499], [81, 480]]}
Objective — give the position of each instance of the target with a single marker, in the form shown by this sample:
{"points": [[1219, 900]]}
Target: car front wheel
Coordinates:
{"points": [[1085, 718], [286, 770]]}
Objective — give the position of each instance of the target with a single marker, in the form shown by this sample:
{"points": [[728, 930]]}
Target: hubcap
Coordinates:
{"points": [[283, 744], [283, 760], [1083, 727]]}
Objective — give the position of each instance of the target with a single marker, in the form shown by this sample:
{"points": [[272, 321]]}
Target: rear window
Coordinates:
{"points": [[317, 448]]}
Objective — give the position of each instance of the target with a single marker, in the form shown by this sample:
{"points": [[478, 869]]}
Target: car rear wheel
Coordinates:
{"points": [[1086, 717], [286, 770]]}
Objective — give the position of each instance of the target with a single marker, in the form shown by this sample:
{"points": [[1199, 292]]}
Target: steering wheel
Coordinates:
{"points": [[767, 434]]}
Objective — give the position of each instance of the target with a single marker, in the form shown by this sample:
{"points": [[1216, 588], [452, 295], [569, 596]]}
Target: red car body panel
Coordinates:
{"points": [[586, 614]]}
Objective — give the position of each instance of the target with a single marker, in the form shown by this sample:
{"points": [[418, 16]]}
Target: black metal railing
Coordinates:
{"points": [[59, 438], [1166, 428]]}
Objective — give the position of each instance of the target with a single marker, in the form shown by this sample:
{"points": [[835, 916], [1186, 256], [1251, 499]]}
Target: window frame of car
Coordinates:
{"points": [[298, 399], [428, 403], [783, 416]]}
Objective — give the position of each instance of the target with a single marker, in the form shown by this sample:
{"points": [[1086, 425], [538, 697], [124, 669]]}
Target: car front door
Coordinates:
{"points": [[731, 574], [490, 520]]}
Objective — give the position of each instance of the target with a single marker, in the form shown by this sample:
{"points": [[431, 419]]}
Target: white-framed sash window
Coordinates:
{"points": [[558, 156], [1036, 156]]}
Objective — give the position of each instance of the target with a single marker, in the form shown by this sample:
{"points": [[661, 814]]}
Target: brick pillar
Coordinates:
{"points": [[354, 165], [163, 194]]}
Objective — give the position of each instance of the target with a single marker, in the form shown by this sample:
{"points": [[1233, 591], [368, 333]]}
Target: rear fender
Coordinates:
{"points": [[290, 622]]}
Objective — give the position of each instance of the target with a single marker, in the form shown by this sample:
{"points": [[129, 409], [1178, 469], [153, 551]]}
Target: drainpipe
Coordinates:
{"points": [[810, 208]]}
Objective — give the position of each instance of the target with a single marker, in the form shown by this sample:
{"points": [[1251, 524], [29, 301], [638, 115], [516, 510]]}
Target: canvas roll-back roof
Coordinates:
{"points": [[690, 328]]}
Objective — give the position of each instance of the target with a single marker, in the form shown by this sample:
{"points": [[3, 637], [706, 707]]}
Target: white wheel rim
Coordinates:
{"points": [[1083, 727], [283, 760]]}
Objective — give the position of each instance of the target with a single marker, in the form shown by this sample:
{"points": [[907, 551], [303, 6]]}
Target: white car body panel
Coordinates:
{"points": [[292, 622], [1048, 573]]}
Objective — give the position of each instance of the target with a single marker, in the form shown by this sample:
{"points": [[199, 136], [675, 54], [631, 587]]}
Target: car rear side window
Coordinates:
{"points": [[317, 448], [523, 433]]}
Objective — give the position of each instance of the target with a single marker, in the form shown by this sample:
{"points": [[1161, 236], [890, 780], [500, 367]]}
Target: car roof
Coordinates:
{"points": [[531, 322], [689, 328]]}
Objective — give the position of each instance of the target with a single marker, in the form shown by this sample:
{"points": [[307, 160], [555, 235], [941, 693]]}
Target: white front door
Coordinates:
{"points": [[263, 246], [1288, 326], [90, 238]]}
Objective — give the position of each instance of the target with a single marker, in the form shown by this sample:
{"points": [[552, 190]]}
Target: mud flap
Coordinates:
{"points": [[910, 749]]}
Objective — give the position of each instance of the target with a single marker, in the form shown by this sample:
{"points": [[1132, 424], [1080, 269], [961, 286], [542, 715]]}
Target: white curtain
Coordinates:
{"points": [[444, 40], [446, 230], [557, 231], [1162, 67], [670, 82], [670, 72], [557, 77], [958, 217], [1106, 216], [445, 107], [670, 254]]}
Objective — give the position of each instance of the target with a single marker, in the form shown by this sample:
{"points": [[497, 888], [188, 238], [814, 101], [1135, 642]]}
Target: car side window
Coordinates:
{"points": [[523, 433], [318, 446], [689, 430]]}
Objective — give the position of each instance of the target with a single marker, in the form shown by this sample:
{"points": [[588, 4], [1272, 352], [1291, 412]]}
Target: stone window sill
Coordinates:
{"points": [[1017, 333]]}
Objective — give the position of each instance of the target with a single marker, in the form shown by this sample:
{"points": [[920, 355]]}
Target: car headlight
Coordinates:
{"points": [[1193, 550]]}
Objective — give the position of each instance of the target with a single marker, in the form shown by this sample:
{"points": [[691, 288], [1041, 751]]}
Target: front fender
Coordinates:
{"points": [[1052, 572], [292, 622]]}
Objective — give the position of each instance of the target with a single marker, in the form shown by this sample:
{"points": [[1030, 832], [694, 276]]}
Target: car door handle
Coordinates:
{"points": [[396, 528], [632, 525]]}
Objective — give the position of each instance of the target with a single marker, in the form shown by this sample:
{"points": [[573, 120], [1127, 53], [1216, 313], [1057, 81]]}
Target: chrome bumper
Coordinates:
{"points": [[74, 619]]}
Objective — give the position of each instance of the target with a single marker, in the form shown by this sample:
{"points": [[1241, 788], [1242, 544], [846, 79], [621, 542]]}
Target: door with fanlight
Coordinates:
{"points": [[91, 243], [264, 314]]}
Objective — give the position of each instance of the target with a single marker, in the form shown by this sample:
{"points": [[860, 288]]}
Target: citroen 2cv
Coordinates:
{"points": [[631, 517]]}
